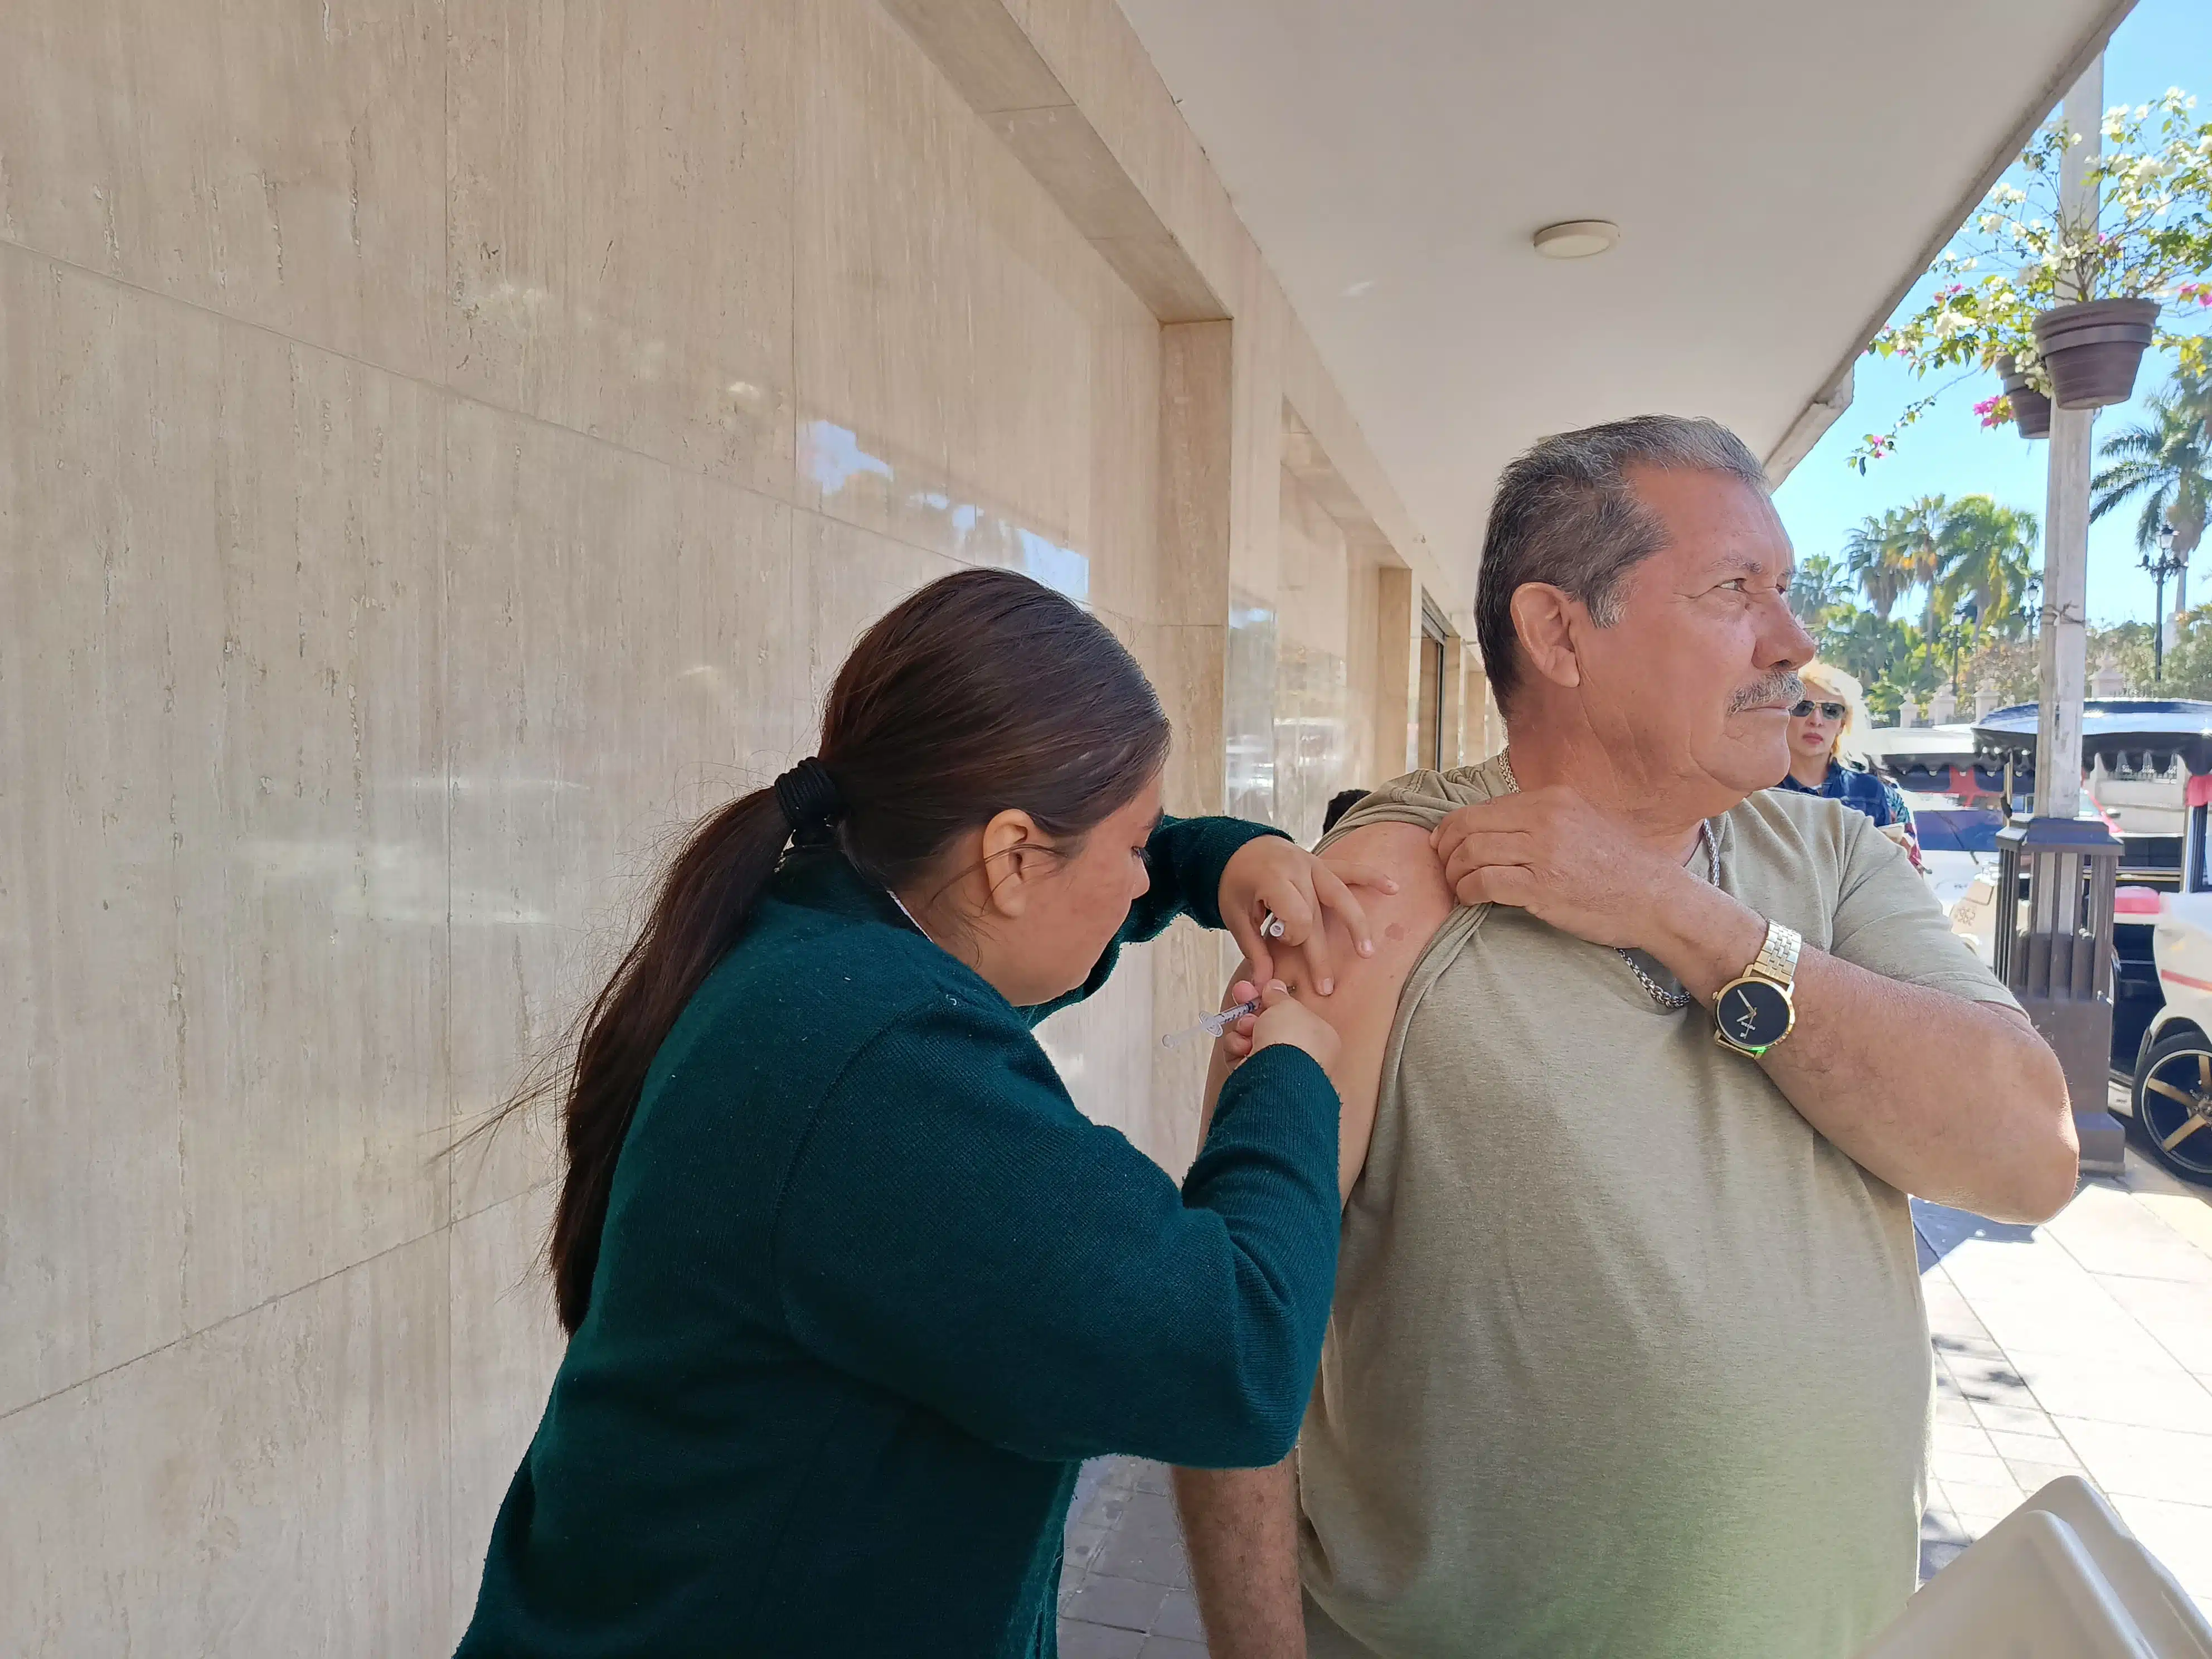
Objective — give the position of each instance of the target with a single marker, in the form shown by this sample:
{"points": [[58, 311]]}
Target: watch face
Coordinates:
{"points": [[1753, 1014]]}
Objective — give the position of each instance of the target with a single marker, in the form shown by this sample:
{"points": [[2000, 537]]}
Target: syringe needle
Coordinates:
{"points": [[1213, 1024]]}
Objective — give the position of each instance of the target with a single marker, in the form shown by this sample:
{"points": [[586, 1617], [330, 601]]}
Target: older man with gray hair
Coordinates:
{"points": [[1629, 1356]]}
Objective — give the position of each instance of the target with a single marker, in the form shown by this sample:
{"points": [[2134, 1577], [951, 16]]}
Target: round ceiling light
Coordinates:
{"points": [[1577, 238]]}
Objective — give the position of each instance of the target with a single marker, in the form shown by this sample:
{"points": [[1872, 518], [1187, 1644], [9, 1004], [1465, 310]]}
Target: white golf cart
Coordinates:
{"points": [[2149, 771], [1952, 803]]}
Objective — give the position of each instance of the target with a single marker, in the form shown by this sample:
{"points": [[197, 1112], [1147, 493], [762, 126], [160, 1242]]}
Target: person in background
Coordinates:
{"points": [[850, 1284], [1828, 724], [1339, 804]]}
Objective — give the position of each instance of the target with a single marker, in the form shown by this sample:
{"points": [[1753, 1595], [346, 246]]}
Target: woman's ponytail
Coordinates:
{"points": [[708, 895], [981, 692]]}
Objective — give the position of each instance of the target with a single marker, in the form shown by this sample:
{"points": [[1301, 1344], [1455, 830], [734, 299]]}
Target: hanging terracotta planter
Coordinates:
{"points": [[2030, 408], [2091, 351]]}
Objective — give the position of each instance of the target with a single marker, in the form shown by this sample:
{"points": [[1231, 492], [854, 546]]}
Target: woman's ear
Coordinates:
{"points": [[1544, 618], [1014, 857]]}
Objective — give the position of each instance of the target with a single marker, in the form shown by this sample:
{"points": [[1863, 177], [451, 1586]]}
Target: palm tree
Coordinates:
{"points": [[2167, 461], [1819, 588], [1986, 554], [1867, 558], [1896, 553], [1867, 645], [1923, 554]]}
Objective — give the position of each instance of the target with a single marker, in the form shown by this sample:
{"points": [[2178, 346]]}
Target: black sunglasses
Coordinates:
{"points": [[1833, 711]]}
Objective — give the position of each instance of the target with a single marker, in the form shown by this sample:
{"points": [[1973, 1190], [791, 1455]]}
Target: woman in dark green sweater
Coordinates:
{"points": [[851, 1285]]}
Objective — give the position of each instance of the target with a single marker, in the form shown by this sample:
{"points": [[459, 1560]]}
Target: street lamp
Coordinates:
{"points": [[1959, 631], [2163, 565]]}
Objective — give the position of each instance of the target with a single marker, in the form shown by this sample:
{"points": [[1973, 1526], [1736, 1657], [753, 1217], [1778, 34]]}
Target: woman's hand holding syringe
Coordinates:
{"points": [[1258, 1019], [1211, 1025]]}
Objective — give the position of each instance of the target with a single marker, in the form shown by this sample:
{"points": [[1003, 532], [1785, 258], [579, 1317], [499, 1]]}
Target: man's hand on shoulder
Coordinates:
{"points": [[1551, 853]]}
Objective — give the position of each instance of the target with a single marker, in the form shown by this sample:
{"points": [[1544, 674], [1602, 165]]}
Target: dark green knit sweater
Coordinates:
{"points": [[871, 1286]]}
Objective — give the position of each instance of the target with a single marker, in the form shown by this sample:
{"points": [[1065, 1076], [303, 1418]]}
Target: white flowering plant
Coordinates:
{"points": [[2148, 237]]}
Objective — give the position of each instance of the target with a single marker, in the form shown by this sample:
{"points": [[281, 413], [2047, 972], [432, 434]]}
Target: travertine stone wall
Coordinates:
{"points": [[443, 445]]}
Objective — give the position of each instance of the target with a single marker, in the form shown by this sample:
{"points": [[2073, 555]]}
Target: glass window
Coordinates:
{"points": [[1432, 701]]}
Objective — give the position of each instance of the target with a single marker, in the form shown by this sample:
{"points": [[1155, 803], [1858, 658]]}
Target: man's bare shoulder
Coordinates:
{"points": [[1403, 852], [1401, 923], [1364, 1004]]}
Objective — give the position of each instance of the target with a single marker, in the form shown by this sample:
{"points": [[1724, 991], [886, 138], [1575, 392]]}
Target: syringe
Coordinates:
{"points": [[1213, 1024], [1271, 926]]}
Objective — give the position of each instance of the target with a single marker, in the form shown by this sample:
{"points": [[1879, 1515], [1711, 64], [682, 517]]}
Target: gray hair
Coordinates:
{"points": [[1565, 515]]}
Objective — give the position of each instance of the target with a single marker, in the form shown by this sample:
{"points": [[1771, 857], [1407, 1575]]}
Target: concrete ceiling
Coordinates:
{"points": [[1780, 171]]}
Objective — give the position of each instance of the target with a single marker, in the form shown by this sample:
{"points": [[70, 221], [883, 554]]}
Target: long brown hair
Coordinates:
{"points": [[981, 692]]}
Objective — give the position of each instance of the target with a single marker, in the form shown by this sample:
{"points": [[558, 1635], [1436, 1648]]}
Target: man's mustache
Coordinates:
{"points": [[1782, 686]]}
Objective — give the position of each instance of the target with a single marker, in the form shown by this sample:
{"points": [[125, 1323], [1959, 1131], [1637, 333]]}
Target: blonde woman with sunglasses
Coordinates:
{"points": [[1826, 726]]}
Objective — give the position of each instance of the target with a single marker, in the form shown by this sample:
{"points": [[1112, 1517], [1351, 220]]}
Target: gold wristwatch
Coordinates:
{"points": [[1757, 1010]]}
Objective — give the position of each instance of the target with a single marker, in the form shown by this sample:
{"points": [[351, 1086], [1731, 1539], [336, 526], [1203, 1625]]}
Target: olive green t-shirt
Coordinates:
{"points": [[1626, 1359]]}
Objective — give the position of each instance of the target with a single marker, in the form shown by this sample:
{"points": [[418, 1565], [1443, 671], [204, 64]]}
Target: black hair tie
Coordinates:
{"points": [[809, 800]]}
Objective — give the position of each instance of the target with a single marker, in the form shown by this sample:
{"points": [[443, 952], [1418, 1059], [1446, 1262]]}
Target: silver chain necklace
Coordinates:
{"points": [[1672, 1001]]}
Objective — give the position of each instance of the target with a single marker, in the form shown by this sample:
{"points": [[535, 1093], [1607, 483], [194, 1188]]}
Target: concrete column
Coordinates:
{"points": [[1192, 554], [1397, 672], [1452, 744], [2063, 645], [1190, 666]]}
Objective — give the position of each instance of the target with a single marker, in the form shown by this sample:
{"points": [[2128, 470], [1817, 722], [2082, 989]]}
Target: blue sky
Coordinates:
{"points": [[2163, 43]]}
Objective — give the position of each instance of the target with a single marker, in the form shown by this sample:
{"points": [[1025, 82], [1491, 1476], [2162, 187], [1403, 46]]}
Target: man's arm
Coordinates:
{"points": [[1953, 1100], [1242, 1525], [1364, 1004]]}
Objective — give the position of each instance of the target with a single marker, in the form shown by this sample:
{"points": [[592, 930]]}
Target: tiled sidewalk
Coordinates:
{"points": [[2083, 1346], [2080, 1348], [1125, 1592]]}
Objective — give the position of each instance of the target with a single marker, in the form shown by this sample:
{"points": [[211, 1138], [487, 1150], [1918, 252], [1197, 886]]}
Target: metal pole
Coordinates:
{"points": [[2063, 649], [2161, 565], [2158, 634], [2180, 569]]}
